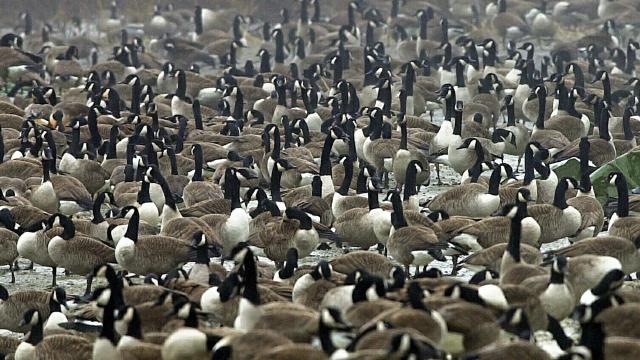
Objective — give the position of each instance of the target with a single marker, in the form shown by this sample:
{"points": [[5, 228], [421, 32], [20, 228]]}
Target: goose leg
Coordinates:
{"points": [[454, 265], [54, 271], [406, 271], [518, 166], [13, 275], [87, 291], [381, 248], [438, 174]]}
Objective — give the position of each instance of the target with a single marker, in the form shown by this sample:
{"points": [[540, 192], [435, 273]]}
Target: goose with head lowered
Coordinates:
{"points": [[294, 230], [473, 200], [76, 253], [493, 230]]}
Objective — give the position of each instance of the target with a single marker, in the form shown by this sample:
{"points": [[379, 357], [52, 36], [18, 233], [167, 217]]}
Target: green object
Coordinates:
{"points": [[628, 164]]}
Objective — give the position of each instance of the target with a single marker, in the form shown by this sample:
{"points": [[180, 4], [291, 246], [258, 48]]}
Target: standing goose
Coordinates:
{"points": [[473, 200], [620, 223], [149, 253], [33, 244], [559, 219], [412, 245], [379, 151], [77, 254], [519, 131], [9, 241]]}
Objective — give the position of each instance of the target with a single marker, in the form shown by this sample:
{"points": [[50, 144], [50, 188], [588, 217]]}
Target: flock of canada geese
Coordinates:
{"points": [[186, 167]]}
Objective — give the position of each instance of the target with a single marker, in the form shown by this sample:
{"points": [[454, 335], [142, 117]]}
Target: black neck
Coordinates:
{"points": [[494, 182], [542, 104], [457, 125], [559, 199], [513, 246], [372, 197], [623, 197], [603, 126], [348, 176], [276, 176], [35, 335], [325, 158]]}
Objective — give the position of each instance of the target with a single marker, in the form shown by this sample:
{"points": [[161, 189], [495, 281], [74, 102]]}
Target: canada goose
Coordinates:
{"points": [[491, 257], [403, 158], [33, 243], [14, 305], [473, 200], [507, 24], [601, 148], [585, 202], [127, 323], [418, 249], [378, 151], [628, 140], [232, 228], [198, 190], [620, 223], [36, 345], [310, 288], [77, 254], [357, 226], [295, 230], [520, 132], [149, 253], [552, 140], [559, 219], [373, 263], [555, 293], [9, 241], [89, 172], [367, 287], [491, 231]]}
